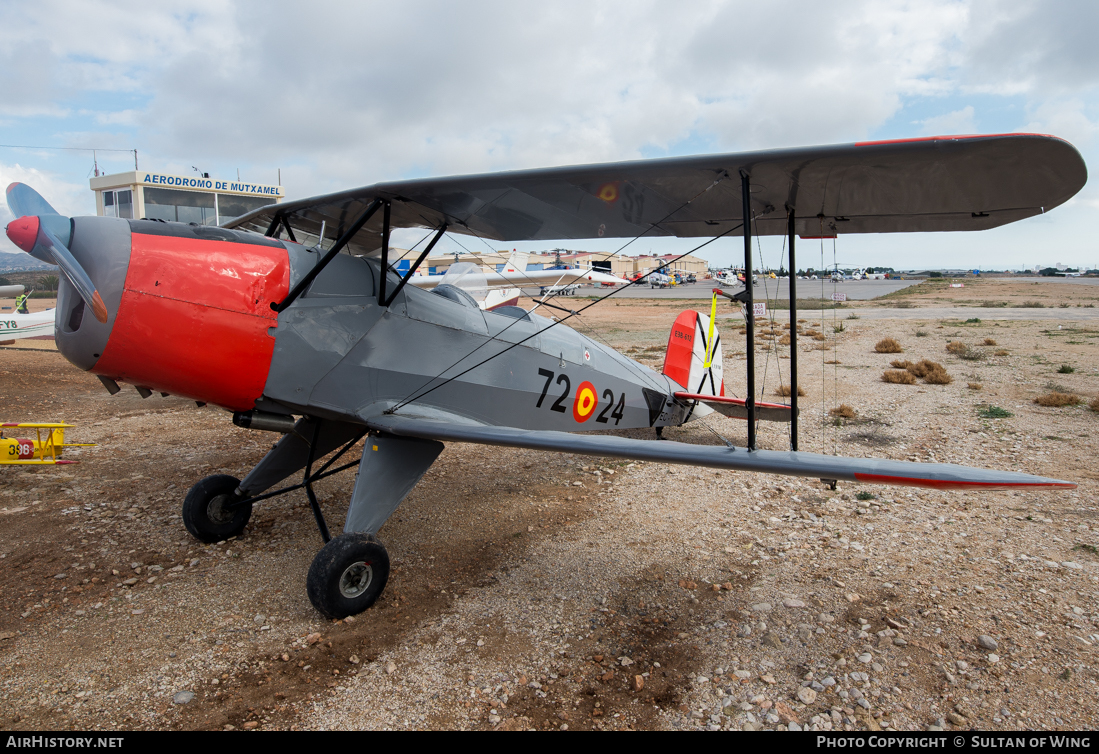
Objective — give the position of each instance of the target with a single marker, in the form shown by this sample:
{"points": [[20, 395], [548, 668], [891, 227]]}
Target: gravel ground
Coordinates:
{"points": [[535, 590]]}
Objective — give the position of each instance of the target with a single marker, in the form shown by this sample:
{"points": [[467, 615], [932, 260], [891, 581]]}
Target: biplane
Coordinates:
{"points": [[42, 450], [322, 341]]}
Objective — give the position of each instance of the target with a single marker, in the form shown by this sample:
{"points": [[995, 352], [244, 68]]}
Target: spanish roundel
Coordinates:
{"points": [[584, 404], [685, 360]]}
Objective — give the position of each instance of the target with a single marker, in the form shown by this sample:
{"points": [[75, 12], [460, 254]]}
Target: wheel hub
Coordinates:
{"points": [[356, 579], [220, 510]]}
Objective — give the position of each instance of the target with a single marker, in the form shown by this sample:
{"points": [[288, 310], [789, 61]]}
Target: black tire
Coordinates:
{"points": [[348, 575], [205, 511]]}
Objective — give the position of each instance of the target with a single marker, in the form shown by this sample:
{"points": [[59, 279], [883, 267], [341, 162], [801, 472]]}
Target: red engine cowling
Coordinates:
{"points": [[195, 316]]}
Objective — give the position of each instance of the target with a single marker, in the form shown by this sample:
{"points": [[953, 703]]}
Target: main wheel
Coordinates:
{"points": [[348, 575], [208, 510]]}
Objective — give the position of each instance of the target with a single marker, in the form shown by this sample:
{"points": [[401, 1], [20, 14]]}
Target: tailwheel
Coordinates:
{"points": [[211, 511], [348, 575]]}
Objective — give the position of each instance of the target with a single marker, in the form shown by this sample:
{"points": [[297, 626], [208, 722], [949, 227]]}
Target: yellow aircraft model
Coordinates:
{"points": [[45, 450]]}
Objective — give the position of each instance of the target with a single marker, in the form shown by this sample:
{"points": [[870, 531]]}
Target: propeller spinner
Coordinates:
{"points": [[39, 230]]}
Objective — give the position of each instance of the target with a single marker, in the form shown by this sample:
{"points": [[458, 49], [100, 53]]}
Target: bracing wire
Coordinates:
{"points": [[494, 338], [448, 380], [835, 350]]}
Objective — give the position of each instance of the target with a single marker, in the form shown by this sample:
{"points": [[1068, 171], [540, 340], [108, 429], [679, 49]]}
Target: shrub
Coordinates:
{"points": [[994, 412], [974, 386], [1002, 352], [921, 333], [784, 391], [924, 367], [988, 342], [956, 347], [784, 340], [843, 411], [888, 345], [1065, 369], [864, 496], [1094, 405], [820, 336], [901, 364], [973, 321], [1056, 400], [839, 328], [1033, 305], [938, 377], [898, 377]]}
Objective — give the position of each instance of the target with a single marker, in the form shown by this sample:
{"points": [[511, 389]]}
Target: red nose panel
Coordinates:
{"points": [[194, 317]]}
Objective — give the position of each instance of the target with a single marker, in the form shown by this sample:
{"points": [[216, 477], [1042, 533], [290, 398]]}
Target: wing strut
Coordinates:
{"points": [[749, 317], [385, 253], [329, 256], [415, 265], [793, 333]]}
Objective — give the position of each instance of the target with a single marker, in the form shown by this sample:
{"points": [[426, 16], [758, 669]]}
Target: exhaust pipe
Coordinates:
{"points": [[264, 420]]}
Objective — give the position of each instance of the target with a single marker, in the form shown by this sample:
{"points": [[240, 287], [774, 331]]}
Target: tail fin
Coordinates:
{"points": [[693, 359], [517, 262]]}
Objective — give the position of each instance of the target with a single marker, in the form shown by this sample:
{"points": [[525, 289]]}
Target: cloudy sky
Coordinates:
{"points": [[345, 94]]}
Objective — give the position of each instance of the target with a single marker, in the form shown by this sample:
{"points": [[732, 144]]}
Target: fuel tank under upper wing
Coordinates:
{"points": [[790, 463]]}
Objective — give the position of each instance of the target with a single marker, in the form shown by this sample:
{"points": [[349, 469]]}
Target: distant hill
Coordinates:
{"points": [[10, 262]]}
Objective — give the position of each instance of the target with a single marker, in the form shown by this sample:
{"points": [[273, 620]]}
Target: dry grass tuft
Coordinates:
{"points": [[811, 333], [957, 348], [938, 377], [974, 386], [820, 336], [1094, 405], [988, 342], [784, 391], [1056, 400], [784, 340], [888, 345], [924, 367], [1001, 352], [898, 377], [901, 364], [843, 411]]}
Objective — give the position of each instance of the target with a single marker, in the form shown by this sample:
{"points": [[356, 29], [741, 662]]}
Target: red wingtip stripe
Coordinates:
{"points": [[957, 137], [949, 484]]}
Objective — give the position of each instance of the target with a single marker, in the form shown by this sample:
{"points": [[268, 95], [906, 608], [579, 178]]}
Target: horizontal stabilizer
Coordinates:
{"points": [[736, 409], [790, 463]]}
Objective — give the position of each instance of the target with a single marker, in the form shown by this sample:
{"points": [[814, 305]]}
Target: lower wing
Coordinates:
{"points": [[790, 463]]}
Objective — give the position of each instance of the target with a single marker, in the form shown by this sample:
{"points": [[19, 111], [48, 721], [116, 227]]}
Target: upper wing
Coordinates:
{"points": [[933, 184], [790, 463]]}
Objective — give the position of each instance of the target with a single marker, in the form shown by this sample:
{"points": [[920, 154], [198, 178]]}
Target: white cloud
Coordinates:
{"points": [[957, 122], [346, 93]]}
